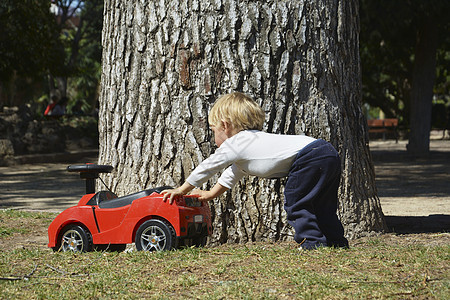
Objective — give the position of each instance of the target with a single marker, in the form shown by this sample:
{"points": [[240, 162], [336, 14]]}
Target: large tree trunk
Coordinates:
{"points": [[424, 74], [166, 62]]}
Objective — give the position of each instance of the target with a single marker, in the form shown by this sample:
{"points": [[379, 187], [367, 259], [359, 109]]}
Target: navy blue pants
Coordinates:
{"points": [[311, 196]]}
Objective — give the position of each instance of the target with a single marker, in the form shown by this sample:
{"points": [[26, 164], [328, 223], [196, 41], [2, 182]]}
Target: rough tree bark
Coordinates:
{"points": [[166, 62]]}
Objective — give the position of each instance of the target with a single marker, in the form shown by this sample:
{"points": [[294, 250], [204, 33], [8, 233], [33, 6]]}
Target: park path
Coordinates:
{"points": [[417, 191], [412, 187]]}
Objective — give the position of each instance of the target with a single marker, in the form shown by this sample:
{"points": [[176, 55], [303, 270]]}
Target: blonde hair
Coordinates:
{"points": [[238, 109]]}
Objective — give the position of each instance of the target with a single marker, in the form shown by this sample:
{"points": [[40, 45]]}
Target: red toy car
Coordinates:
{"points": [[104, 221]]}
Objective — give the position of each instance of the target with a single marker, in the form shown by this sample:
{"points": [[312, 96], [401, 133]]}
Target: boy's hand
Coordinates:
{"points": [[179, 191], [202, 195], [171, 194], [216, 191]]}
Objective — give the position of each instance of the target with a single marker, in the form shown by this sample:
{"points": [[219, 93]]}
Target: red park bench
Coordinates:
{"points": [[384, 126]]}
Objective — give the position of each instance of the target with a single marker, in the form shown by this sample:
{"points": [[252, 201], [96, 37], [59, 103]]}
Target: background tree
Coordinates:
{"points": [[44, 49], [29, 47], [80, 25], [404, 46], [166, 62]]}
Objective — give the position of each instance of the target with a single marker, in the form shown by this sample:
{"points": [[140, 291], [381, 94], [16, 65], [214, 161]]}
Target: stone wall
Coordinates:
{"points": [[21, 133]]}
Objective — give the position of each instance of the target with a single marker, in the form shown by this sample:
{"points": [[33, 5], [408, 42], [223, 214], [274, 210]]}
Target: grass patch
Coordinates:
{"points": [[388, 266], [22, 222], [5, 231], [22, 214]]}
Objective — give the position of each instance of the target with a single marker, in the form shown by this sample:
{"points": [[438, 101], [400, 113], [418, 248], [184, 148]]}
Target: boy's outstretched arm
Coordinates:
{"points": [[216, 191]]}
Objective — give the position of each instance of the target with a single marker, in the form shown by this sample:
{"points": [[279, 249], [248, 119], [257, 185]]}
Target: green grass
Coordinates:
{"points": [[372, 268], [19, 219], [22, 214]]}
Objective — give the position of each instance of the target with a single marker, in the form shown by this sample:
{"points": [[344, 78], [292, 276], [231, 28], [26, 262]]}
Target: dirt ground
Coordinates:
{"points": [[414, 193]]}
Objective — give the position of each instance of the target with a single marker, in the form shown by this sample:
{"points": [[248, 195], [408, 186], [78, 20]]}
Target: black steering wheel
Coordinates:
{"points": [[90, 168], [90, 173]]}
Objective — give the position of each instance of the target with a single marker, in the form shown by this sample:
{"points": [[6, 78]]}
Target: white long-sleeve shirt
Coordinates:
{"points": [[250, 152]]}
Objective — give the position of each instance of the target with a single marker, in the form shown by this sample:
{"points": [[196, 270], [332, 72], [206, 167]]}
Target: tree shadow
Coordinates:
{"points": [[400, 176], [419, 224], [40, 186]]}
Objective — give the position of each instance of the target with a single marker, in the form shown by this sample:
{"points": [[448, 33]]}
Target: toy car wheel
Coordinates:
{"points": [[76, 239], [154, 235]]}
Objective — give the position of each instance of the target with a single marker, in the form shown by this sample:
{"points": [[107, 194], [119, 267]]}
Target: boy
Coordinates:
{"points": [[313, 168]]}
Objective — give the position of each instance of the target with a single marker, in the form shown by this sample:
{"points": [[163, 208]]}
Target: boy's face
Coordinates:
{"points": [[222, 132], [219, 135]]}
